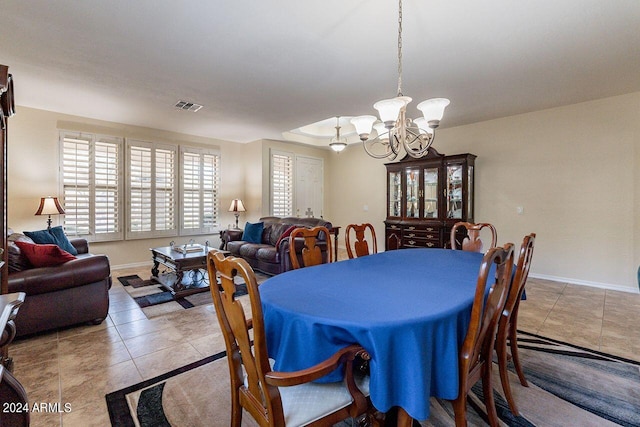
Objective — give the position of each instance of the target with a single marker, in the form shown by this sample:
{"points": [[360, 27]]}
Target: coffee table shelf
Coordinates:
{"points": [[187, 272]]}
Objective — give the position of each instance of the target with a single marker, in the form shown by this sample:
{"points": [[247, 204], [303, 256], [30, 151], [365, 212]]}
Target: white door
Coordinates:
{"points": [[308, 187]]}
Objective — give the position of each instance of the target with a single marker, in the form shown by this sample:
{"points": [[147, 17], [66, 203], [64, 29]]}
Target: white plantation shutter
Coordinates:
{"points": [[199, 189], [91, 185], [282, 183], [165, 190], [151, 189], [107, 182]]}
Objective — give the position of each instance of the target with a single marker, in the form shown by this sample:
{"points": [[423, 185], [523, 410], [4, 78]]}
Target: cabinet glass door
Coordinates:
{"points": [[395, 194], [454, 191], [430, 192], [413, 188]]}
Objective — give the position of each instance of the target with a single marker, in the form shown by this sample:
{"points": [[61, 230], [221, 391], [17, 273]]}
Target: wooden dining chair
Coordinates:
{"points": [[309, 253], [472, 242], [360, 246], [508, 324], [276, 399], [475, 358]]}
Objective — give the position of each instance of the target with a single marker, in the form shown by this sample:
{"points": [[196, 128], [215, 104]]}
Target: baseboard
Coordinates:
{"points": [[608, 286], [132, 265]]}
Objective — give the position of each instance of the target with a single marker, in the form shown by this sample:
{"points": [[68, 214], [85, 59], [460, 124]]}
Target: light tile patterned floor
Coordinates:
{"points": [[80, 365]]}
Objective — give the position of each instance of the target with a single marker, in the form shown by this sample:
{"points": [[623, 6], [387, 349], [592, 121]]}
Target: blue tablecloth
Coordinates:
{"points": [[408, 308]]}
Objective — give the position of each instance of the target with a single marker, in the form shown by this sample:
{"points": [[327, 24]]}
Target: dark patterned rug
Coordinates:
{"points": [[569, 385], [155, 300]]}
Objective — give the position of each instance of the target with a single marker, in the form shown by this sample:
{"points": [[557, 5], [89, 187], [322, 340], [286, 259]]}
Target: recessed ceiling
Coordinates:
{"points": [[263, 68]]}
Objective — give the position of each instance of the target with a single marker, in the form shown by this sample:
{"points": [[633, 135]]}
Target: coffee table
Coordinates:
{"points": [[187, 271]]}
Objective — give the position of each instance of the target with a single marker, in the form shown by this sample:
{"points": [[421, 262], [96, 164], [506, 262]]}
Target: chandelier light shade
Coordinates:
{"points": [[49, 206], [236, 207], [395, 132], [338, 143]]}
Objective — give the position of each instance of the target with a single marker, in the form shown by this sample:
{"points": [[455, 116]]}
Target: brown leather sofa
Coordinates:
{"points": [[271, 256], [68, 294]]}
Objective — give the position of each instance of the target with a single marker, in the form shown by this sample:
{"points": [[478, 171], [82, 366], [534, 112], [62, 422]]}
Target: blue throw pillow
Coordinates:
{"points": [[41, 237], [53, 236], [253, 232], [62, 240]]}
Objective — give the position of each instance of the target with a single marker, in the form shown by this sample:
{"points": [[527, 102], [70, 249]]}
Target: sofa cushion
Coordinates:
{"points": [[285, 235], [276, 232], [253, 232], [249, 250], [62, 240], [267, 254], [234, 246], [17, 260], [48, 255]]}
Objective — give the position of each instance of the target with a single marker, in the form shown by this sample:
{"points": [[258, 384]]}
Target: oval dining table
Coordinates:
{"points": [[409, 309]]}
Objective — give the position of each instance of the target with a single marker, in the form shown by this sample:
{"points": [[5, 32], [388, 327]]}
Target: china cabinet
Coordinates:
{"points": [[425, 197]]}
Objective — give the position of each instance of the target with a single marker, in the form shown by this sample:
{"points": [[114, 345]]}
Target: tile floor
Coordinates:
{"points": [[80, 365]]}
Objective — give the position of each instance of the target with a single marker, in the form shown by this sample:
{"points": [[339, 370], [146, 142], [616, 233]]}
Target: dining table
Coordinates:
{"points": [[408, 308]]}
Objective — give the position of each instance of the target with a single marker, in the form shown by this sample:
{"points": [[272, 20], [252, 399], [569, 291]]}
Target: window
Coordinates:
{"points": [[200, 180], [91, 185], [282, 183], [151, 189]]}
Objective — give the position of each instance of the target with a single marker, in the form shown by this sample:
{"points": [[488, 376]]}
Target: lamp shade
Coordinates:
{"points": [[433, 109], [363, 124], [389, 109], [49, 206], [237, 206]]}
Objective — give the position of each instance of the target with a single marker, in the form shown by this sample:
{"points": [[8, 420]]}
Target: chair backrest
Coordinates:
{"points": [[310, 253], [360, 246], [472, 242], [519, 279], [477, 346], [260, 399]]}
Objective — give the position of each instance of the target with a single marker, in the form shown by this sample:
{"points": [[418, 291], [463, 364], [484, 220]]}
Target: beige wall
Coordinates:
{"points": [[33, 173], [573, 169]]}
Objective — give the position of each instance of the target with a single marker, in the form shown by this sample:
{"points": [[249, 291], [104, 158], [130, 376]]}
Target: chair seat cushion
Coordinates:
{"points": [[305, 403]]}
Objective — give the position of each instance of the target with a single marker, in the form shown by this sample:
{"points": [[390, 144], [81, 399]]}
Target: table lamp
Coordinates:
{"points": [[49, 206], [236, 206]]}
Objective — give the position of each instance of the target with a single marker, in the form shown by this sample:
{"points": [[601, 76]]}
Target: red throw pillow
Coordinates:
{"points": [[285, 235], [44, 255]]}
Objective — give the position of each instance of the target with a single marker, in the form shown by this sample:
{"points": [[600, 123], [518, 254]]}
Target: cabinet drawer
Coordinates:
{"points": [[422, 228], [419, 234], [420, 243]]}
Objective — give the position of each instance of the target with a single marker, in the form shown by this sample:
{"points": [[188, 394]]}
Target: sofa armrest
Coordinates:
{"points": [[230, 235], [78, 272], [81, 245]]}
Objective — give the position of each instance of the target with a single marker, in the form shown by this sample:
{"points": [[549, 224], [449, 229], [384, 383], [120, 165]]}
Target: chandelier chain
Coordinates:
{"points": [[400, 48]]}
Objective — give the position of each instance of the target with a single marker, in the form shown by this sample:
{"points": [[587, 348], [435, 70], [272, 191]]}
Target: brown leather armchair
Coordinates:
{"points": [[68, 294]]}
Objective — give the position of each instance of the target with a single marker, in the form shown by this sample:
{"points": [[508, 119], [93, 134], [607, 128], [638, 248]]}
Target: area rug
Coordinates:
{"points": [[569, 385], [155, 300]]}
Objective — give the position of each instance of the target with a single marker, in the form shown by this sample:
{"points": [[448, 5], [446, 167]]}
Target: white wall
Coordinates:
{"points": [[573, 169]]}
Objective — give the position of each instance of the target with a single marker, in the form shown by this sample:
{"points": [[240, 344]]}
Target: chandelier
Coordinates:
{"points": [[395, 132], [338, 143]]}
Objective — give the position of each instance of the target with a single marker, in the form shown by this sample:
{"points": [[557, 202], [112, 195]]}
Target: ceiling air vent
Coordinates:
{"points": [[188, 106]]}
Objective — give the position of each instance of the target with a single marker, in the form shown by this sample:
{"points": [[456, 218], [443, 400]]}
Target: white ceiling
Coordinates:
{"points": [[264, 67]]}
